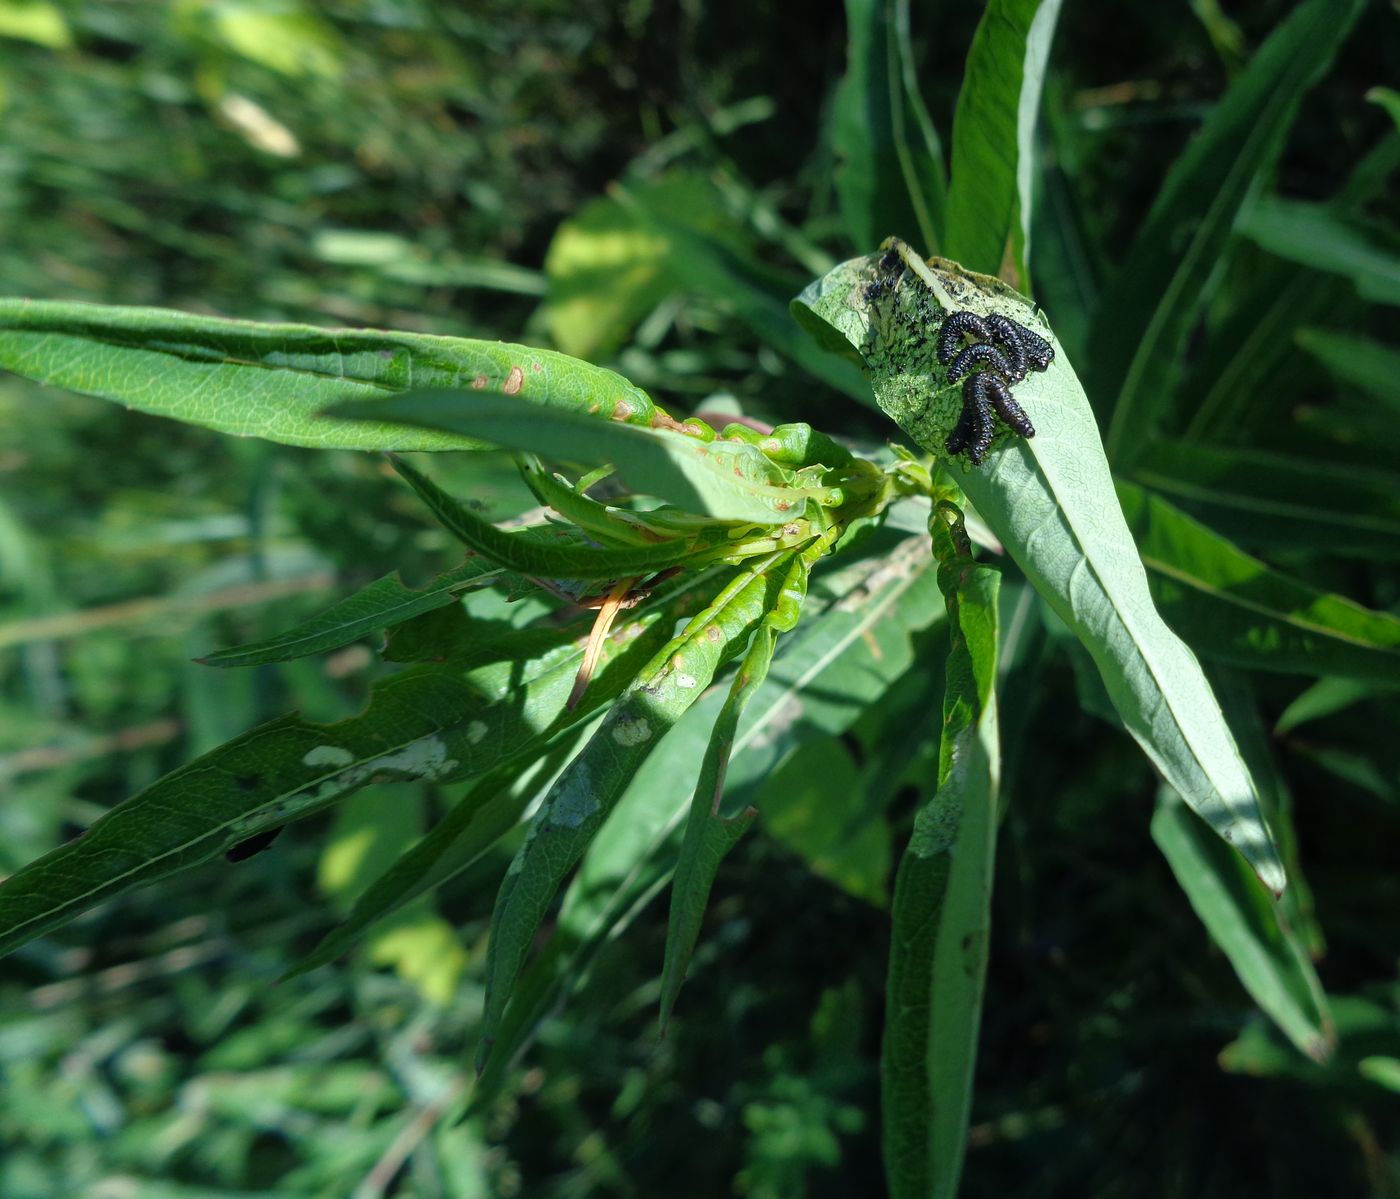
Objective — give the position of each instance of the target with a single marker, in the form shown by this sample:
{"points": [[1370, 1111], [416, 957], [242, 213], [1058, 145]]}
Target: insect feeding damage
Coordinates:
{"points": [[930, 328]]}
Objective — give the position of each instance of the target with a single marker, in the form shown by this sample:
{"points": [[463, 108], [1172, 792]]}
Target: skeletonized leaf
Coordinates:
{"points": [[1050, 501]]}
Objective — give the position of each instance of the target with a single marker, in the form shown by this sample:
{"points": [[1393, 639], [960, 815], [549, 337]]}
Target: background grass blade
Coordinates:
{"points": [[275, 381], [1154, 300], [733, 277], [994, 135], [941, 919], [1318, 236]]}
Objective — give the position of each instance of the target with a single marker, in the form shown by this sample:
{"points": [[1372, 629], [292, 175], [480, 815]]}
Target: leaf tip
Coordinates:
{"points": [[483, 1053]]}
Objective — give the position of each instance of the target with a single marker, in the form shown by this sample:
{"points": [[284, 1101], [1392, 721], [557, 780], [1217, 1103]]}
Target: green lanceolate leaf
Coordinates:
{"points": [[1233, 382], [476, 822], [428, 724], [856, 638], [890, 176], [1268, 499], [551, 553], [1236, 609], [611, 526], [1319, 236], [989, 200], [1243, 921], [1147, 313], [709, 833], [728, 480], [941, 916], [275, 381], [593, 782], [701, 260], [1367, 364], [387, 601], [1051, 502]]}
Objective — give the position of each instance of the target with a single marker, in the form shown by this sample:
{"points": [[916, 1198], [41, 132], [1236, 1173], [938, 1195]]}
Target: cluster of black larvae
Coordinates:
{"points": [[1004, 354]]}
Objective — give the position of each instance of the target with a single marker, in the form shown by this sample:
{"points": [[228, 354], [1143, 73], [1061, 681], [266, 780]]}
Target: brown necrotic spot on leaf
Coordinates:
{"points": [[514, 381]]}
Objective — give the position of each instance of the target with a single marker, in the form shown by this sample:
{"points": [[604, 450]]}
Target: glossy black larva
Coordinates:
{"points": [[985, 355], [1002, 356], [957, 326], [1004, 402]]}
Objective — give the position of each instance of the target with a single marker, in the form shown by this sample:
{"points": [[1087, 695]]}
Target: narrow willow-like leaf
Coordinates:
{"points": [[384, 602], [591, 785], [994, 134], [475, 823], [941, 918], [1243, 921], [1326, 697], [609, 525], [1367, 364], [1321, 237], [537, 552], [1234, 382], [1389, 99], [275, 381], [1148, 311], [429, 724], [728, 480], [890, 175], [1296, 911], [856, 638], [1267, 499], [730, 276], [1236, 609], [710, 834], [1050, 501]]}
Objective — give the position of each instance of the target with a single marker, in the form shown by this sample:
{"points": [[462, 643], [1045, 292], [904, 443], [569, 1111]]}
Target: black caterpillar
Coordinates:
{"points": [[1004, 353]]}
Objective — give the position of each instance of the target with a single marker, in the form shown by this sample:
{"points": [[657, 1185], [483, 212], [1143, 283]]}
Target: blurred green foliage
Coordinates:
{"points": [[443, 168]]}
